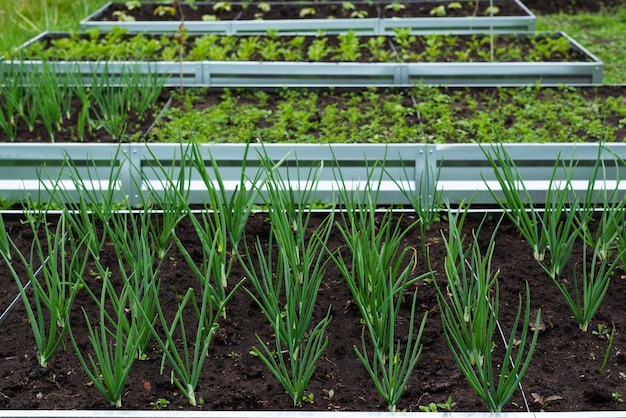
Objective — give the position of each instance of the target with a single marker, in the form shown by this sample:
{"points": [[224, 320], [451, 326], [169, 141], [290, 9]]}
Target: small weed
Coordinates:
{"points": [[492, 11], [307, 11], [133, 4], [308, 398], [122, 16], [601, 331], [448, 405], [438, 11], [159, 404], [222, 6], [163, 11], [395, 6], [330, 394]]}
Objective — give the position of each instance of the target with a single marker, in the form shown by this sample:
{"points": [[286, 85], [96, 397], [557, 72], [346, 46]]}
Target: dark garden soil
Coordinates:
{"points": [[287, 10], [570, 6], [566, 361]]}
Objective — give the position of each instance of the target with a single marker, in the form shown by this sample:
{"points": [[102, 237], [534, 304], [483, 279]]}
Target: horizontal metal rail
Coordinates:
{"points": [[434, 172]]}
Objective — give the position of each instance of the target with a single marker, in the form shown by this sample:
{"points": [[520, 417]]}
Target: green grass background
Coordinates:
{"points": [[601, 33]]}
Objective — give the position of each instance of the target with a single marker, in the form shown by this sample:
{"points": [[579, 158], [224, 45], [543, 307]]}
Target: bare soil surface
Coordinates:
{"points": [[566, 362], [544, 7]]}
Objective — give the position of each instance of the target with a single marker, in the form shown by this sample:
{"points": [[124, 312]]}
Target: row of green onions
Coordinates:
{"points": [[377, 267]]}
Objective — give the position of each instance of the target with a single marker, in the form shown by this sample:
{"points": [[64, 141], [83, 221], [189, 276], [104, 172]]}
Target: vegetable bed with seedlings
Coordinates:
{"points": [[420, 115], [59, 110], [347, 59], [203, 11], [310, 17], [403, 46], [342, 310]]}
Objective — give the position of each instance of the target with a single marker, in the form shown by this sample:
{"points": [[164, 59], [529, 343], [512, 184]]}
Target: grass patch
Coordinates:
{"points": [[601, 33], [21, 20]]}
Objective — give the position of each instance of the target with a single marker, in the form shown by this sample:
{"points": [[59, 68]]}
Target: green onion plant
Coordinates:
{"points": [[224, 218], [609, 234], [387, 367], [114, 96], [470, 297], [469, 314], [5, 242], [46, 96], [62, 260], [375, 245], [43, 97], [557, 229], [288, 281], [236, 208], [115, 342], [584, 302], [610, 237], [94, 200], [426, 200], [139, 268], [517, 202], [187, 357], [378, 275], [171, 198]]}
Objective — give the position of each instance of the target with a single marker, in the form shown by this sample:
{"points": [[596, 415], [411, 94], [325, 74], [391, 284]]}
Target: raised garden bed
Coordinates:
{"points": [[423, 114], [593, 359], [434, 172], [564, 372], [340, 60], [415, 131], [420, 115], [309, 17]]}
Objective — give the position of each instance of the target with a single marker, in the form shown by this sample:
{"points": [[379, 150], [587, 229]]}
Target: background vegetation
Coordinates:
{"points": [[601, 33]]}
